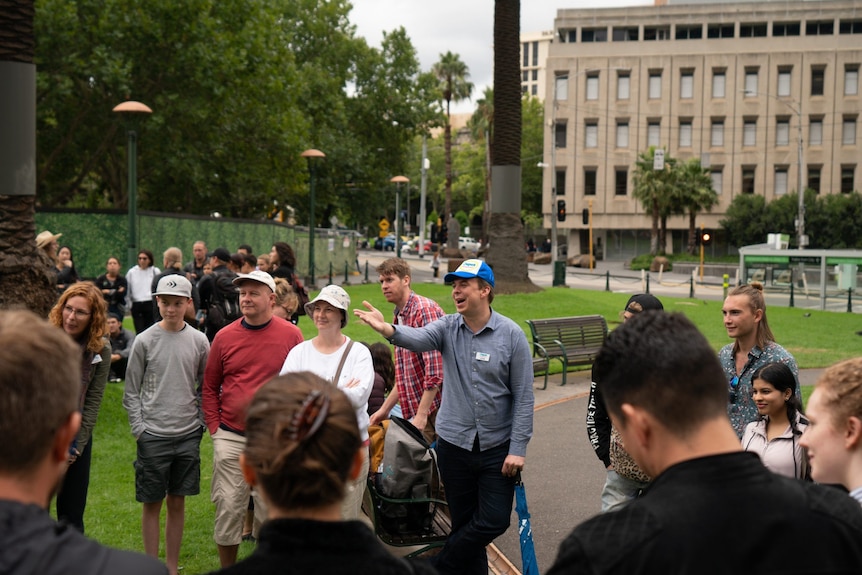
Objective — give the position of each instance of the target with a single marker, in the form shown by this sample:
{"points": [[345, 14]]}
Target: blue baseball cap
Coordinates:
{"points": [[472, 269]]}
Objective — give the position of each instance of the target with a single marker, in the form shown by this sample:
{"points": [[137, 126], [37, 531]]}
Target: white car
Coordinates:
{"points": [[469, 244]]}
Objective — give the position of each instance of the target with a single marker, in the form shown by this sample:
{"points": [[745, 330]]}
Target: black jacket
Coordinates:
{"points": [[31, 542]]}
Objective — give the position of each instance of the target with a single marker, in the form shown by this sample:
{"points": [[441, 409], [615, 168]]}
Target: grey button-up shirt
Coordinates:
{"points": [[489, 380]]}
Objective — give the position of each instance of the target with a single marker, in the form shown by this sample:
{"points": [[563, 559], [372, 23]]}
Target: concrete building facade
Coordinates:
{"points": [[736, 85], [534, 54]]}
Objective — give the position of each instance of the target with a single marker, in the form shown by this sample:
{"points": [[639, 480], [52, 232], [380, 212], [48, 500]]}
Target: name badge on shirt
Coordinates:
{"points": [[481, 356]]}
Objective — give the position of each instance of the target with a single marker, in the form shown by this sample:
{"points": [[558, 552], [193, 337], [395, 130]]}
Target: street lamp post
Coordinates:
{"points": [[801, 239], [131, 110], [398, 180], [310, 155]]}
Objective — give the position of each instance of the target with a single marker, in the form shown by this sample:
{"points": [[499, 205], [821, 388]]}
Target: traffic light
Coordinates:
{"points": [[561, 210], [705, 237], [585, 215]]}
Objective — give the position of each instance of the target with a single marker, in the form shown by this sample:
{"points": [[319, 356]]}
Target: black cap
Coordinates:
{"points": [[643, 302], [220, 253]]}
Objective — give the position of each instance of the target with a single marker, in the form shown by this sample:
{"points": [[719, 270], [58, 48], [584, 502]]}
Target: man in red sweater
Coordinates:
{"points": [[244, 355]]}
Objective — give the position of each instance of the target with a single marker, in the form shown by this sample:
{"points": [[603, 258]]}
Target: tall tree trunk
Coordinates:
{"points": [[506, 254], [25, 279], [692, 226], [447, 148], [654, 231]]}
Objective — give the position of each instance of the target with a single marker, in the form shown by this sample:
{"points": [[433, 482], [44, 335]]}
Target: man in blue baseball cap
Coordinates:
{"points": [[486, 414]]}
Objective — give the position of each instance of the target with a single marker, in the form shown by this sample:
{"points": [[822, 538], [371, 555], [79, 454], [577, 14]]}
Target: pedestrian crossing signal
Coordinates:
{"points": [[561, 210]]}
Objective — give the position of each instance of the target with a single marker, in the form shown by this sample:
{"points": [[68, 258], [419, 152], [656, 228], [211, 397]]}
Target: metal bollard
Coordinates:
{"points": [[346, 272], [607, 281], [791, 303], [330, 273], [647, 283], [849, 300], [366, 271], [725, 283], [691, 287]]}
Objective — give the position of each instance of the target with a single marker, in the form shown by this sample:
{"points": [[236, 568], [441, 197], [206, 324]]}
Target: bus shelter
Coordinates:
{"points": [[827, 273]]}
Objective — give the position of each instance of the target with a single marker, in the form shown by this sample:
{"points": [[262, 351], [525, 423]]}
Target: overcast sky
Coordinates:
{"points": [[465, 27]]}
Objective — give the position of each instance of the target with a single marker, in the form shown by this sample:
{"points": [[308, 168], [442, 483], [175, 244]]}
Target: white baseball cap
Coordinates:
{"points": [[256, 276], [174, 284]]}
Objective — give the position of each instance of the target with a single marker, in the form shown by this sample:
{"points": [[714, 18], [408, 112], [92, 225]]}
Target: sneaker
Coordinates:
{"points": [[114, 379]]}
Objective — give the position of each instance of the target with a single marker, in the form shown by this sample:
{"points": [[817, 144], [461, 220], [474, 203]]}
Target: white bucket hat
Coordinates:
{"points": [[336, 297]]}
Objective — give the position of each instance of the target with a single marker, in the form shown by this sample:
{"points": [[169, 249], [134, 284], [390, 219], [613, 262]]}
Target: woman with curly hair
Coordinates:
{"points": [[81, 312], [834, 435], [303, 449]]}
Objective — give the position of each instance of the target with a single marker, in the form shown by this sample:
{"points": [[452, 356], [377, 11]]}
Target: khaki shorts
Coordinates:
{"points": [[230, 492]]}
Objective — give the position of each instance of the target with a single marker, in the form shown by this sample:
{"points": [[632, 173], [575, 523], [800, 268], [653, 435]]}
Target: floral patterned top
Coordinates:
{"points": [[740, 406]]}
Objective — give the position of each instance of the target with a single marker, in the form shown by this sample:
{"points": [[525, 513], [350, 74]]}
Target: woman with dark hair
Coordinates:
{"points": [[303, 448], [66, 272], [81, 312], [113, 285], [776, 433], [384, 374], [140, 280], [282, 261]]}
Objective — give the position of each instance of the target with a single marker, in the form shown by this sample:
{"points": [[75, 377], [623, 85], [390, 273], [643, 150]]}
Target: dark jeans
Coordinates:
{"points": [[72, 497], [480, 504], [142, 315]]}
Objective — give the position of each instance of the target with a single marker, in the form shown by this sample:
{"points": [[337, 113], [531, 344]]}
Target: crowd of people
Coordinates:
{"points": [[694, 443]]}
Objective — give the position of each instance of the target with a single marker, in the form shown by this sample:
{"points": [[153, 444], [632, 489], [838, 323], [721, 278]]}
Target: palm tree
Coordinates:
{"points": [[452, 74], [24, 276], [482, 129], [653, 188], [506, 254], [696, 194]]}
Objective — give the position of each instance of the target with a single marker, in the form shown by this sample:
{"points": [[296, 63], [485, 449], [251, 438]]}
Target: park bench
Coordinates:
{"points": [[571, 340]]}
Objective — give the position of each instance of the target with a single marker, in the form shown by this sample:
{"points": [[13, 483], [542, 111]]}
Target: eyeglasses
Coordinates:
{"points": [[78, 313], [734, 384]]}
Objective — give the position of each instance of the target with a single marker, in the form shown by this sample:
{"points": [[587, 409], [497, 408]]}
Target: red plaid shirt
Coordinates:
{"points": [[416, 372]]}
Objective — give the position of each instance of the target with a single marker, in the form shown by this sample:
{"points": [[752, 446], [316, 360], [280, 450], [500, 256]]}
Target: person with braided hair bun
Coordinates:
{"points": [[303, 449]]}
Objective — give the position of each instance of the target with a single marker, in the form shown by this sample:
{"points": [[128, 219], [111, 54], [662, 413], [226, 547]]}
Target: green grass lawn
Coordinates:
{"points": [[816, 339]]}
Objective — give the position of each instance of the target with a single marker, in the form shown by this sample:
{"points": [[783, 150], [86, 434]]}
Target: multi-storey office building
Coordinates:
{"points": [[737, 85]]}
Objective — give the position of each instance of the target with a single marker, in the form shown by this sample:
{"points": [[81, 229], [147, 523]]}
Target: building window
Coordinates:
{"points": [[786, 29], [750, 82], [591, 135], [782, 131], [656, 33], [594, 35], [589, 181], [534, 90], [784, 82], [560, 188], [718, 78], [560, 133], [752, 30], [623, 134], [717, 177], [685, 133], [815, 132], [848, 132], [686, 85], [561, 87], [851, 80], [749, 133], [592, 87], [848, 184], [747, 179], [625, 34], [850, 27], [623, 86], [535, 75], [814, 178], [535, 53], [525, 88], [719, 31], [525, 76], [525, 49], [817, 81], [780, 180], [654, 85], [689, 32], [824, 28], [653, 133], [621, 181], [717, 134]]}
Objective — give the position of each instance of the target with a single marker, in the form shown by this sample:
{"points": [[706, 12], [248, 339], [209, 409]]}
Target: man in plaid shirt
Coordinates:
{"points": [[418, 376]]}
